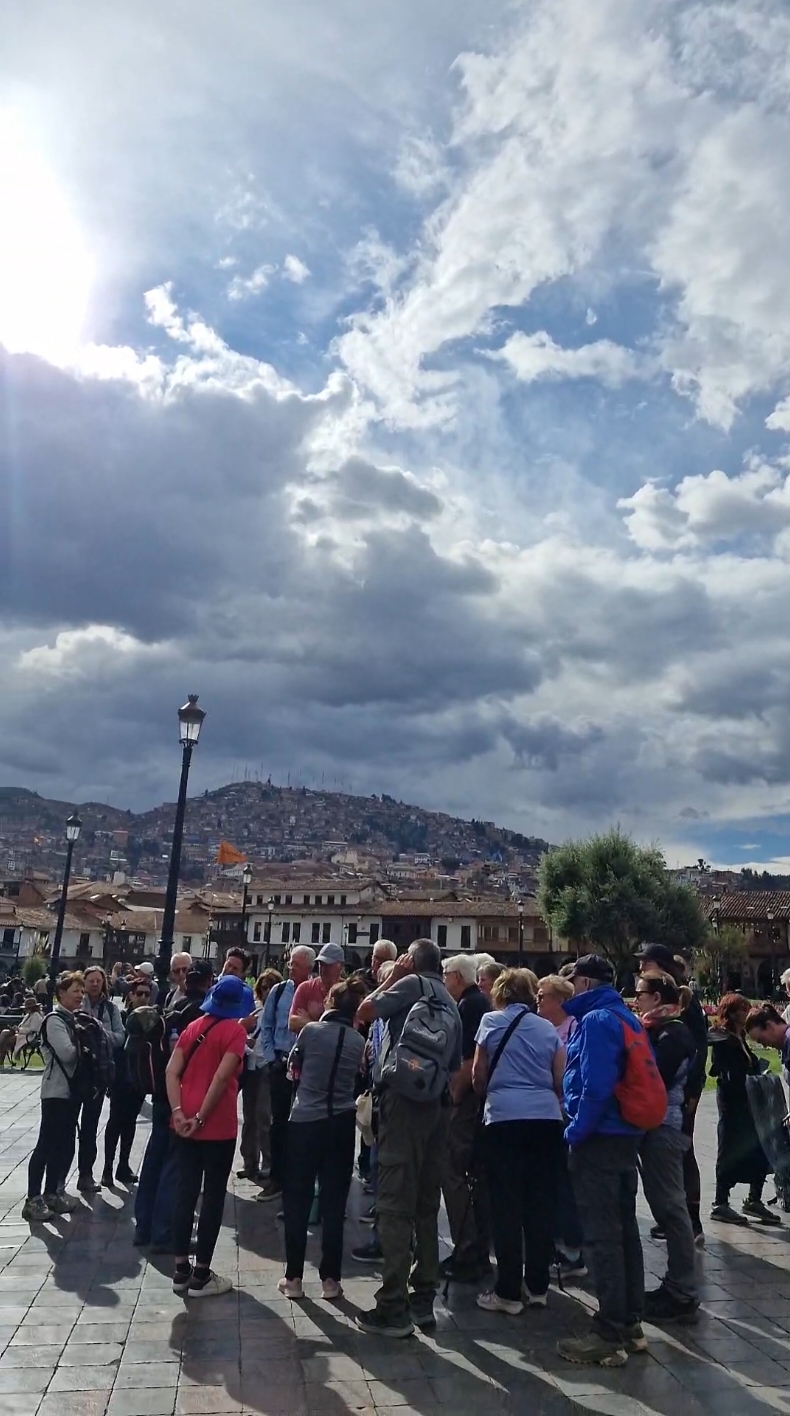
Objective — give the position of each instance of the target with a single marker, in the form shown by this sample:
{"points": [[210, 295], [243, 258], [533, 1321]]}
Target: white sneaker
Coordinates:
{"points": [[536, 1300], [330, 1288], [492, 1303], [212, 1287], [291, 1287]]}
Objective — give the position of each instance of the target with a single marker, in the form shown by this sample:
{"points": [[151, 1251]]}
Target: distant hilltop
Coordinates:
{"points": [[264, 821]]}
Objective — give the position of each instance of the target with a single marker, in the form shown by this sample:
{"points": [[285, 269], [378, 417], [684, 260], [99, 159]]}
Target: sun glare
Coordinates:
{"points": [[45, 269]]}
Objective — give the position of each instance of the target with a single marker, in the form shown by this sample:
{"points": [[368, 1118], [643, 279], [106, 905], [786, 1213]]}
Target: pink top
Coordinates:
{"points": [[309, 998], [565, 1029]]}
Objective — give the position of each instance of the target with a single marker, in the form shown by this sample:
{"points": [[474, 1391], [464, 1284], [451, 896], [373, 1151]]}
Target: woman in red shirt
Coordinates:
{"points": [[202, 1088]]}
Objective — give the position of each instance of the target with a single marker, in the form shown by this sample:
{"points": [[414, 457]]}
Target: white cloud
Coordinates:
{"points": [[83, 652], [535, 356], [295, 270], [247, 287], [710, 508]]}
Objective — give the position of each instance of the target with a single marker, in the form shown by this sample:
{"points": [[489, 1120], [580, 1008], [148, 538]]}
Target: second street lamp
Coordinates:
{"points": [[73, 828], [246, 876], [270, 908], [521, 934], [190, 721]]}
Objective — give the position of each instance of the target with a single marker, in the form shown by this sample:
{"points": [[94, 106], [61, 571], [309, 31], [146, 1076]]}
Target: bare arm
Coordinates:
{"points": [[480, 1071], [297, 1021]]}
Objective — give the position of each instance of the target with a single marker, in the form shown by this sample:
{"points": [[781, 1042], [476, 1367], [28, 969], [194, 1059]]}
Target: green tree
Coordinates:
{"points": [[33, 969], [719, 953], [608, 894]]}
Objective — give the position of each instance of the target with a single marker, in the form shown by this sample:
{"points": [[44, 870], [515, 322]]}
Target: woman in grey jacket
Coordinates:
{"points": [[55, 1145], [98, 1003]]}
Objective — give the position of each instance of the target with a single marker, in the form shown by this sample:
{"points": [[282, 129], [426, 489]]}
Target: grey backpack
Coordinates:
{"points": [[418, 1066]]}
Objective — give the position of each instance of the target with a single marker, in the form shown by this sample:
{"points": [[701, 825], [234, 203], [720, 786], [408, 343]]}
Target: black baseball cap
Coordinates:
{"points": [[593, 966], [659, 954], [201, 971]]}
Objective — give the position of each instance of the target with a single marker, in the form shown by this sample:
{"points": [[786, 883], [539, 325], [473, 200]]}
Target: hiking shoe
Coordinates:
{"points": [[725, 1214], [757, 1210], [61, 1203], [662, 1307], [657, 1232], [36, 1210], [182, 1279], [570, 1268], [378, 1325], [126, 1176], [106, 1181], [272, 1191], [635, 1340], [592, 1351], [422, 1313], [492, 1303], [291, 1288], [87, 1185], [246, 1174], [211, 1285], [331, 1289], [369, 1217], [371, 1253], [536, 1300]]}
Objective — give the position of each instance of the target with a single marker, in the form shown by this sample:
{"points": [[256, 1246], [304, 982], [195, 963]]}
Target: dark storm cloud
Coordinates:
{"points": [[543, 741], [361, 487]]}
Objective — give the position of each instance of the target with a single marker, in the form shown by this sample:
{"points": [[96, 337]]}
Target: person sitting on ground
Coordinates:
{"points": [[412, 1136], [54, 1149], [603, 1155], [740, 1159], [487, 975], [464, 1184], [202, 1088], [12, 1040], [325, 1061], [99, 1005], [659, 1003], [518, 1066]]}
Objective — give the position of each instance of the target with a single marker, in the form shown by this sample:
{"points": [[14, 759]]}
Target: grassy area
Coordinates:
{"points": [[770, 1053]]}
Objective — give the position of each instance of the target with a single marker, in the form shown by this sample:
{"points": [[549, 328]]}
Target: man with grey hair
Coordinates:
{"points": [[383, 950], [463, 1182], [412, 1137], [277, 1041], [180, 964]]}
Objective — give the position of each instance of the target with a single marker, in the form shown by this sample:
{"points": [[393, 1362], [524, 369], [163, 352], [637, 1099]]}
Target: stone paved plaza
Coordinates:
{"points": [[88, 1326]]}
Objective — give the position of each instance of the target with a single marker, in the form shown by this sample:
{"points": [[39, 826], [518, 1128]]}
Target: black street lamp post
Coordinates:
{"points": [[73, 828], [190, 721], [246, 876], [270, 908], [521, 934]]}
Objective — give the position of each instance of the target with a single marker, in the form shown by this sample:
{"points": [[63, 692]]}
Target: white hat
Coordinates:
{"points": [[146, 968]]}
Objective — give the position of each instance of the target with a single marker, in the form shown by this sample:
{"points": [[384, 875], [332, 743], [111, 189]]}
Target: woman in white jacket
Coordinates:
{"points": [[54, 1150]]}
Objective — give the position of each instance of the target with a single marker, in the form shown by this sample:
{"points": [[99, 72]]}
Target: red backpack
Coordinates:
{"points": [[640, 1093]]}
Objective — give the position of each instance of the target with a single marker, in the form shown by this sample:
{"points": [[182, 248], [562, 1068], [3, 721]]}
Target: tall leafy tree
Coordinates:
{"points": [[608, 894]]}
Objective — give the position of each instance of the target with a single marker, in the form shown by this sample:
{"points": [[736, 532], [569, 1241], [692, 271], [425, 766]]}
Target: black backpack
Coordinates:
{"points": [[145, 1051], [94, 1073]]}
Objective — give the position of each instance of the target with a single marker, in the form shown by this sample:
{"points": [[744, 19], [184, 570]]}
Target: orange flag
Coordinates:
{"points": [[228, 855]]}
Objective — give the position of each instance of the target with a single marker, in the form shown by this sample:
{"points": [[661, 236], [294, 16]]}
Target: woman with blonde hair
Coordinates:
{"points": [[487, 974], [518, 1066], [552, 992]]}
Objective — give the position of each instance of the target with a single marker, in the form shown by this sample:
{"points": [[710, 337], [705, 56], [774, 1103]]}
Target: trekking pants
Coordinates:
{"points": [[661, 1165], [412, 1145], [603, 1171]]}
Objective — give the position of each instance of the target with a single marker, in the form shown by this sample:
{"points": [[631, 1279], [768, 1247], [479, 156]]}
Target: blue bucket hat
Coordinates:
{"points": [[229, 998]]}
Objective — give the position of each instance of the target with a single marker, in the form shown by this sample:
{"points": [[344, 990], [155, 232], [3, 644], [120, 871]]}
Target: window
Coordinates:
{"points": [[286, 932], [342, 899], [289, 899], [318, 899], [8, 938], [326, 933], [352, 934], [441, 935], [466, 936], [374, 934], [307, 899], [84, 945], [186, 942], [315, 934], [330, 899], [256, 932], [277, 899], [296, 931], [259, 899], [512, 933]]}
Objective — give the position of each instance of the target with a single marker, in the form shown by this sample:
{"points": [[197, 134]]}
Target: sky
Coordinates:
{"points": [[412, 382]]}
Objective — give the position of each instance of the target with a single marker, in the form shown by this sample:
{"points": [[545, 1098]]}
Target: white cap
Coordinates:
{"points": [[145, 968]]}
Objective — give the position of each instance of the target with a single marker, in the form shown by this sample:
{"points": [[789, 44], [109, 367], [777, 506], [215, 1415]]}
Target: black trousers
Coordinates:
{"points": [[206, 1164], [523, 1159], [282, 1095], [604, 1175], [323, 1151], [125, 1106], [90, 1115], [54, 1149]]}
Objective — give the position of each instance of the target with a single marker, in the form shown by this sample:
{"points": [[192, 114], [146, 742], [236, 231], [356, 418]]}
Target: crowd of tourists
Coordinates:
{"points": [[532, 1106]]}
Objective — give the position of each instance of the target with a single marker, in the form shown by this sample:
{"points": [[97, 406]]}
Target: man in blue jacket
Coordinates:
{"points": [[603, 1166]]}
